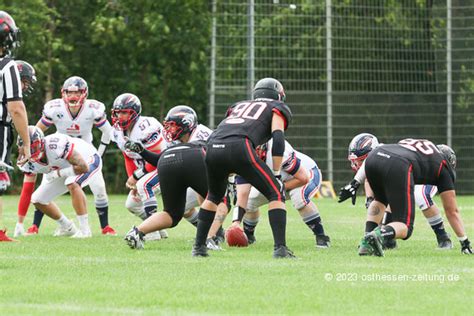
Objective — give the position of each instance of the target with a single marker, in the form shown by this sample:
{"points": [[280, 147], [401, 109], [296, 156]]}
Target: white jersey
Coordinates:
{"points": [[92, 113], [146, 130], [292, 159], [200, 133], [58, 148]]}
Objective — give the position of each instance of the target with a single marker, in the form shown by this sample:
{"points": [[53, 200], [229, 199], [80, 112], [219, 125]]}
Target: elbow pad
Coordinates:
{"points": [[278, 147]]}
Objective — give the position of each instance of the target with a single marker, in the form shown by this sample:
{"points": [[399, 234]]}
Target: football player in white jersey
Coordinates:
{"points": [[73, 115], [68, 164], [301, 180], [143, 179], [359, 148]]}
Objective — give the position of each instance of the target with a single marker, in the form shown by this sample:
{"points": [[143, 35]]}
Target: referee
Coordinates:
{"points": [[12, 108]]}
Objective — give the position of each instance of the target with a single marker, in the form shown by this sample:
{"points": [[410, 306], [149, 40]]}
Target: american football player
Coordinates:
{"points": [[359, 148], [68, 164]]}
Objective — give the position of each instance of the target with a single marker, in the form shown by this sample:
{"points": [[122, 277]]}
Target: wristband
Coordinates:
{"points": [[276, 173], [137, 174]]}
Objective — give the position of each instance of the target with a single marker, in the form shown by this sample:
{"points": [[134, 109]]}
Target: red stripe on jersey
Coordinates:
{"points": [[441, 167], [276, 111], [261, 170], [409, 195], [70, 152]]}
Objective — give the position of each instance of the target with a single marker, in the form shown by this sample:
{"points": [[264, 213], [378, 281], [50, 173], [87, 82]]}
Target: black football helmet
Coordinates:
{"points": [[9, 34], [179, 121], [36, 141], [269, 88], [27, 76], [448, 154], [359, 148], [126, 103], [74, 84]]}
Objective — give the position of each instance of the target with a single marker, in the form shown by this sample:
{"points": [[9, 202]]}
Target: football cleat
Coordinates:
{"points": [[323, 241], [4, 237], [107, 230], [82, 234], [375, 240], [281, 252], [33, 230], [212, 244], [19, 230], [444, 242], [65, 231], [163, 234], [220, 235], [199, 251], [251, 238], [364, 248], [152, 236], [134, 239]]}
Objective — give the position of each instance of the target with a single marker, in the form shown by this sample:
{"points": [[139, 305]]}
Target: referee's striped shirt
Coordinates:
{"points": [[10, 86]]}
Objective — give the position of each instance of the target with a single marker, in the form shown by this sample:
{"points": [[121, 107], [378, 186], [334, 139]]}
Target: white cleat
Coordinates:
{"points": [[152, 236], [163, 234], [82, 234], [65, 231], [19, 230]]}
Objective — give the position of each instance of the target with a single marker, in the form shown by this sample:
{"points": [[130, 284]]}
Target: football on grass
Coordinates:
{"points": [[236, 237]]}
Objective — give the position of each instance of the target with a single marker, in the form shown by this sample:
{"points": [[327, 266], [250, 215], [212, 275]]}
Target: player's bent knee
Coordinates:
{"points": [[175, 218], [409, 232]]}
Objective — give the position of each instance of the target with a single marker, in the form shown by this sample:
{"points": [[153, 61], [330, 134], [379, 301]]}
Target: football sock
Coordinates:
{"points": [[277, 218], [150, 206], [313, 221], [103, 213], [437, 225], [370, 226], [63, 221], [193, 219], [38, 217], [387, 232], [205, 219], [249, 225], [25, 198], [83, 222]]}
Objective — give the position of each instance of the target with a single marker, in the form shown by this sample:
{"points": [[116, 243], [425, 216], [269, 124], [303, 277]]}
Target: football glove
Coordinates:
{"points": [[466, 247], [133, 146], [282, 185], [349, 191]]}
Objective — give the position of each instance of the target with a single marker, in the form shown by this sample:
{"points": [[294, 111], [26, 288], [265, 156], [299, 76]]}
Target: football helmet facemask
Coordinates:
{"points": [[36, 141], [9, 34], [74, 92], [126, 103]]}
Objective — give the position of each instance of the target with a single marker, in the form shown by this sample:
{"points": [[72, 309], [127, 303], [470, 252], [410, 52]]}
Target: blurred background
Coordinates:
{"points": [[394, 68]]}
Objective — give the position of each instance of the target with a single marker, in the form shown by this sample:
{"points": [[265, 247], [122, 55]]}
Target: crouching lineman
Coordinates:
{"points": [[359, 148], [181, 167], [392, 171], [68, 164], [143, 180], [301, 180]]}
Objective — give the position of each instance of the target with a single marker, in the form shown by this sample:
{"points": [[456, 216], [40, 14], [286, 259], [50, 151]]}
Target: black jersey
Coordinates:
{"points": [[252, 119], [429, 165]]}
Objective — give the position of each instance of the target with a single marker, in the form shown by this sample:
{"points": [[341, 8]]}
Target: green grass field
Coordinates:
{"points": [[45, 275]]}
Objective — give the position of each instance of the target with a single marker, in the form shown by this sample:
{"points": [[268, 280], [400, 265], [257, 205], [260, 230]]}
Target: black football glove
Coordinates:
{"points": [[466, 247], [349, 191], [133, 146]]}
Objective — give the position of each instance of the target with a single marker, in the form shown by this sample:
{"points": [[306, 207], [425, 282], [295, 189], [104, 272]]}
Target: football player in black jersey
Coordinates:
{"points": [[392, 171], [231, 149]]}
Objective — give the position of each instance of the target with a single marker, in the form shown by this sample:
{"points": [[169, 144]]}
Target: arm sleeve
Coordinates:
{"points": [[151, 158], [129, 165]]}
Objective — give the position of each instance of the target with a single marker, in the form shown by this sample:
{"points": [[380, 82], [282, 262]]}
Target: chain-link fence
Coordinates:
{"points": [[396, 69]]}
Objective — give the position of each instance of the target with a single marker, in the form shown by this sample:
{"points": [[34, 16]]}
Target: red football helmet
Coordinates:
{"points": [[74, 91]]}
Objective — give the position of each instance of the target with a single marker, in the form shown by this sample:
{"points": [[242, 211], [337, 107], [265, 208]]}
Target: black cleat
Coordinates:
{"points": [[444, 242], [390, 244], [323, 241], [250, 237], [283, 252], [199, 251]]}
